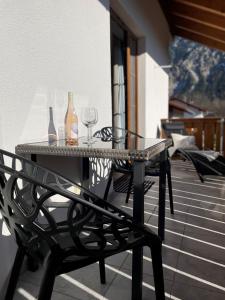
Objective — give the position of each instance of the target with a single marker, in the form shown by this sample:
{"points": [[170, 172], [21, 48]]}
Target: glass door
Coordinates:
{"points": [[124, 76]]}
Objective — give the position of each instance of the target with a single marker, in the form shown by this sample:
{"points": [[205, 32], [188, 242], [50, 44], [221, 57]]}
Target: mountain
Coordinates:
{"points": [[197, 74]]}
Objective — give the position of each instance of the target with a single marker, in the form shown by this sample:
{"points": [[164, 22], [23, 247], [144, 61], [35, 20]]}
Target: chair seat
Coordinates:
{"points": [[149, 171], [74, 258], [121, 184], [96, 246]]}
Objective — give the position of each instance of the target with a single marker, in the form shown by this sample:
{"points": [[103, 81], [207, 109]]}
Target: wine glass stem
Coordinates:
{"points": [[89, 133]]}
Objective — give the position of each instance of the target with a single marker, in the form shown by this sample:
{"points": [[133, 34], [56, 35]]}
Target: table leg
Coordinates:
{"points": [[138, 217], [85, 172], [162, 195], [33, 157]]}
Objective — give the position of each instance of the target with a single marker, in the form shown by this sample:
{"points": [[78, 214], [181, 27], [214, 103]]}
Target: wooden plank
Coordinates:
{"points": [[217, 6], [224, 139], [131, 74], [209, 135], [199, 27], [196, 129], [128, 92], [197, 37], [218, 132], [136, 92], [191, 119], [196, 13]]}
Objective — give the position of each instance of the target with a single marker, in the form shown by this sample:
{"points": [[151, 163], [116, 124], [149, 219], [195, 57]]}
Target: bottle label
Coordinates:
{"points": [[74, 131]]}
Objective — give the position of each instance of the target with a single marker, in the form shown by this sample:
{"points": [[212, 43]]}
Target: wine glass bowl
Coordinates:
{"points": [[89, 117]]}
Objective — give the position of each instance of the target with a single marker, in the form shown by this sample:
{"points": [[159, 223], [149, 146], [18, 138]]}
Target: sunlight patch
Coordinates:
{"points": [[5, 230], [25, 294], [83, 287]]}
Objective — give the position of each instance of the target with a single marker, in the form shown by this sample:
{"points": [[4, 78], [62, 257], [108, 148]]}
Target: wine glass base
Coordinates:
{"points": [[89, 141]]}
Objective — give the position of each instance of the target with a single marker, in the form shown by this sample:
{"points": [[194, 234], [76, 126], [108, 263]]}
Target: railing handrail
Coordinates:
{"points": [[190, 119]]}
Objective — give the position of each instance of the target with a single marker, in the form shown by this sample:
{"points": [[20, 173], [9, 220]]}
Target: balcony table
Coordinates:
{"points": [[139, 150]]}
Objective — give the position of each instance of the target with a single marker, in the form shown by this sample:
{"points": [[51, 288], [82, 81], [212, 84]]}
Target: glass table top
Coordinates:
{"points": [[121, 148]]}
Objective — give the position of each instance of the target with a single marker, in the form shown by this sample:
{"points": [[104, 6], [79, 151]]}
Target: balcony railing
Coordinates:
{"points": [[208, 132]]}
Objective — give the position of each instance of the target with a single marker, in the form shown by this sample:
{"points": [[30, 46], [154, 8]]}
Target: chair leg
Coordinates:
{"points": [[102, 270], [129, 189], [201, 177], [156, 251], [48, 279], [32, 264], [15, 272], [168, 173], [108, 185]]}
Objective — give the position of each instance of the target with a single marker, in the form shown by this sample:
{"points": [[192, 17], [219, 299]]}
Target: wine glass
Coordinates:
{"points": [[89, 117]]}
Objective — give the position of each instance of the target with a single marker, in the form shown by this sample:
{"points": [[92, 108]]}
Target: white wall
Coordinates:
{"points": [[148, 23], [49, 47]]}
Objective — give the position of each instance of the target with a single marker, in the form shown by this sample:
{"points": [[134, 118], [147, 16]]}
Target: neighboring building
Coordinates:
{"points": [[179, 108]]}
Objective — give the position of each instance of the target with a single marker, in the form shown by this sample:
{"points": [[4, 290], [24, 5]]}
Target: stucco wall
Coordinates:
{"points": [[148, 23], [48, 48]]}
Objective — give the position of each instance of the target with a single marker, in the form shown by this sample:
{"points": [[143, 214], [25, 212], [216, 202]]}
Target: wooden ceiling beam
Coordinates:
{"points": [[177, 15], [203, 28], [181, 9], [197, 37], [216, 6]]}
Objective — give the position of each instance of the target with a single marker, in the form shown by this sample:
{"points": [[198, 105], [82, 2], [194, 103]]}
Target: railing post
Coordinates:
{"points": [[221, 134]]}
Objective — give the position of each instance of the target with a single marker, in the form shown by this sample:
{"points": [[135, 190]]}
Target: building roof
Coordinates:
{"points": [[201, 21], [185, 107]]}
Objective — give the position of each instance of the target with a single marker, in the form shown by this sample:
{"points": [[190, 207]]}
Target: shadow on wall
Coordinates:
{"points": [[99, 172], [105, 3], [1, 132], [146, 22], [36, 117], [158, 134], [8, 251], [7, 244]]}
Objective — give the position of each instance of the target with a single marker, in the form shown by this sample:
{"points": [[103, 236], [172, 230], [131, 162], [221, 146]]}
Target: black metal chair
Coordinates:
{"points": [[125, 167], [86, 231], [206, 162], [124, 184]]}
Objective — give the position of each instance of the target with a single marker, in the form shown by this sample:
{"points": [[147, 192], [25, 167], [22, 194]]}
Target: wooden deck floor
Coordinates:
{"points": [[193, 251]]}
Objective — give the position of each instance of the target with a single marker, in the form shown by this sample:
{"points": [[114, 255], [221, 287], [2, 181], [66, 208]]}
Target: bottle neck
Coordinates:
{"points": [[50, 114], [70, 104]]}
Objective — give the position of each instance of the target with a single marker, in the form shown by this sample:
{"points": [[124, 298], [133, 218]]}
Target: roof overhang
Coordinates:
{"points": [[201, 21]]}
